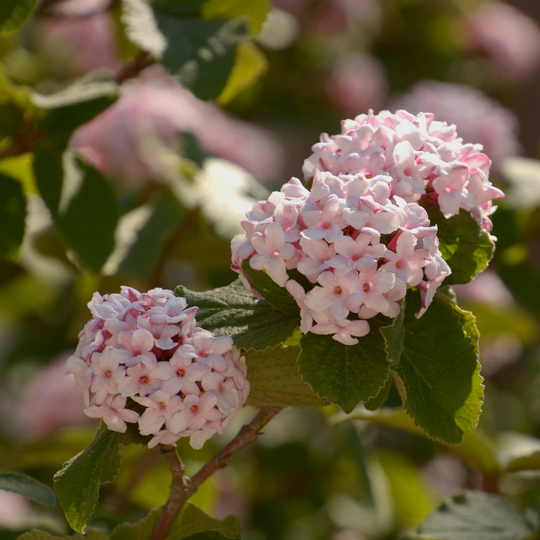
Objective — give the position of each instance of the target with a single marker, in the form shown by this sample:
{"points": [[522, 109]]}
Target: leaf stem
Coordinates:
{"points": [[183, 487]]}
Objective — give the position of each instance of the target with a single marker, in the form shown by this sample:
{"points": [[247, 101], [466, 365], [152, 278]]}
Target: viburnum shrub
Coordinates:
{"points": [[148, 348], [361, 234], [343, 293]]}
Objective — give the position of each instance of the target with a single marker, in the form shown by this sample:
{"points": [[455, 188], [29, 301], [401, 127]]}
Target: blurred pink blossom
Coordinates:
{"points": [[131, 138], [357, 85], [14, 510], [51, 400], [486, 288], [509, 39], [80, 36], [478, 118]]}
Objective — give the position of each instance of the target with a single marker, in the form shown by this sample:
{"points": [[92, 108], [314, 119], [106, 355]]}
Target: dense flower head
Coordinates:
{"points": [[361, 235], [148, 348]]}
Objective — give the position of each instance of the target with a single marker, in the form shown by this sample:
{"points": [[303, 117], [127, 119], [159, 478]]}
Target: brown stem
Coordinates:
{"points": [[182, 487]]}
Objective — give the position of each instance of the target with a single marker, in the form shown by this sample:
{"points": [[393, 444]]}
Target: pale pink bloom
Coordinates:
{"points": [[162, 333], [357, 85], [373, 286], [450, 187], [181, 374], [135, 347], [317, 253], [140, 380], [197, 411], [406, 263], [299, 294], [272, 252], [326, 224], [160, 408], [113, 413], [107, 374], [509, 39], [344, 330]]}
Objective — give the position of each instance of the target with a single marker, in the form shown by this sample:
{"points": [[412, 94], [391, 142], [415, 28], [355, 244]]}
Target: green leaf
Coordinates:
{"points": [[14, 13], [29, 487], [278, 296], [394, 337], [88, 213], [12, 215], [345, 374], [201, 53], [464, 245], [475, 515], [10, 119], [249, 66], [208, 535], [255, 10], [77, 484], [274, 378], [190, 521], [40, 535], [438, 374], [379, 400], [49, 174], [140, 241], [476, 448], [231, 310]]}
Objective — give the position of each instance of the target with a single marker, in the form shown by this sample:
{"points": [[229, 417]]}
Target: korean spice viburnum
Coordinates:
{"points": [[148, 348], [361, 235]]}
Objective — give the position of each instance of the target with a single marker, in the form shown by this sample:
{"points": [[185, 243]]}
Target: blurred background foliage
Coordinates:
{"points": [[162, 180]]}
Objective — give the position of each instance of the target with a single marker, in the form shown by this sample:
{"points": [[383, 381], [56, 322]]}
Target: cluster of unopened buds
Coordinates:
{"points": [[148, 348], [361, 235]]}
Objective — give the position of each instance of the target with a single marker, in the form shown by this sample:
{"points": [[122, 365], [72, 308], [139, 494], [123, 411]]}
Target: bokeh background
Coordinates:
{"points": [[185, 171]]}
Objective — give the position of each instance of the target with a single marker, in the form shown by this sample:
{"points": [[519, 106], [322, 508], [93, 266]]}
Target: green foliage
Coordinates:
{"points": [[278, 296], [40, 535], [464, 245], [344, 374], [190, 521], [475, 515], [13, 14], [29, 487], [12, 216], [255, 10], [143, 252], [231, 310], [274, 378], [77, 484], [438, 372]]}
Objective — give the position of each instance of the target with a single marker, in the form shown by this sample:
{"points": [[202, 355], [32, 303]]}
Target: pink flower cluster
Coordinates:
{"points": [[360, 236], [148, 347]]}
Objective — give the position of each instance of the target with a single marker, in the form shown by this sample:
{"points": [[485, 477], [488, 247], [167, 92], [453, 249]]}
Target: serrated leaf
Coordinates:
{"points": [[379, 400], [255, 10], [200, 53], [438, 373], [14, 13], [475, 515], [345, 374], [12, 215], [476, 448], [40, 535], [277, 296], [274, 378], [139, 248], [190, 521], [29, 487], [464, 245], [77, 484], [231, 310], [250, 64]]}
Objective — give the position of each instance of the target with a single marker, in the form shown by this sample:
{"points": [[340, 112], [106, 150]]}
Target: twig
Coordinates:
{"points": [[182, 487]]}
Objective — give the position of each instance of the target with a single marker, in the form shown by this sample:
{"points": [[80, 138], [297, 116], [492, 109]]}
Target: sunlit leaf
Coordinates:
{"points": [[77, 484], [464, 245], [475, 515], [255, 10], [29, 487], [274, 378], [250, 64]]}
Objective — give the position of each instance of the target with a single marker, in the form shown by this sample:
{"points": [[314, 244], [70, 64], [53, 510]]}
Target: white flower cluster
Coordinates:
{"points": [[359, 235], [148, 347]]}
